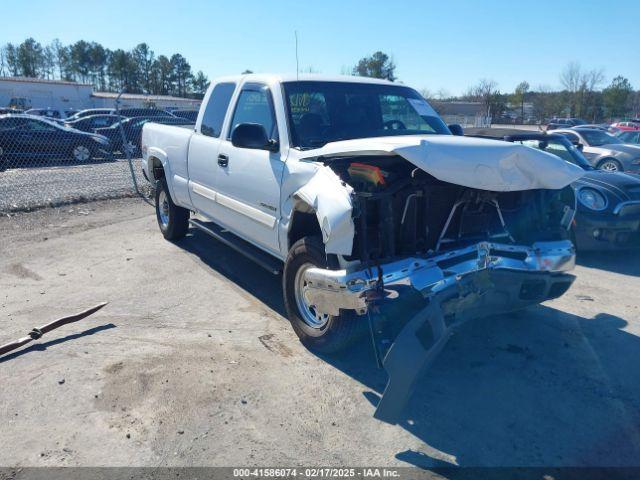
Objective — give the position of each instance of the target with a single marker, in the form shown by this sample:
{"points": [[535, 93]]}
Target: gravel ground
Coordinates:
{"points": [[32, 187], [193, 363]]}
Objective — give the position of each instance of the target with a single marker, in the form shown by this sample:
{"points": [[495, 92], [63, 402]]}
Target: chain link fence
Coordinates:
{"points": [[93, 155]]}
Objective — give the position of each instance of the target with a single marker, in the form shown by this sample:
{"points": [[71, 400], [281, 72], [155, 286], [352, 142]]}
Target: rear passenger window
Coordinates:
{"points": [[216, 109]]}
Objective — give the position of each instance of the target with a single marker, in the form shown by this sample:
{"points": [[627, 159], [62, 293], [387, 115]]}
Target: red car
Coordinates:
{"points": [[627, 126]]}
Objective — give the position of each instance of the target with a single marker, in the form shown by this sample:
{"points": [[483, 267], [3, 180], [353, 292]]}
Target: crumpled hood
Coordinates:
{"points": [[471, 162]]}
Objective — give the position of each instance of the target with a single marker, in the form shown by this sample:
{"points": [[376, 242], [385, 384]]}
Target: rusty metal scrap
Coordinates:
{"points": [[36, 333]]}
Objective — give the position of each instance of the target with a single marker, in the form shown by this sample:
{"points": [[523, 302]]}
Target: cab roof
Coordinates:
{"points": [[306, 77]]}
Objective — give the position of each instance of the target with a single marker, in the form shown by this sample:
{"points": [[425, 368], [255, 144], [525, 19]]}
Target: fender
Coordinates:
{"points": [[161, 156], [330, 199]]}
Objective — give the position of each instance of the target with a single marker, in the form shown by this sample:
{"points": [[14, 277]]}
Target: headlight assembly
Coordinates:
{"points": [[592, 199]]}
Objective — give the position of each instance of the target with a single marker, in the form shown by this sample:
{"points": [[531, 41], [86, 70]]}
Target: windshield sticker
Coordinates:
{"points": [[422, 107]]}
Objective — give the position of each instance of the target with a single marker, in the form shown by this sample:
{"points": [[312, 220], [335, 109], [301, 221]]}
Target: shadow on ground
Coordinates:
{"points": [[258, 282], [538, 388], [42, 346], [625, 262]]}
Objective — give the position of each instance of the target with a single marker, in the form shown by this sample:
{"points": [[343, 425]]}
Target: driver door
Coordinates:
{"points": [[248, 180]]}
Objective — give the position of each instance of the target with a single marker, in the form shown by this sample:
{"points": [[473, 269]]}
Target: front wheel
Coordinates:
{"points": [[317, 331], [610, 165], [81, 153], [172, 219]]}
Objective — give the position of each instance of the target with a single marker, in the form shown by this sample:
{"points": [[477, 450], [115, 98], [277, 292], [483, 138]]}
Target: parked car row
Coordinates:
{"points": [[26, 140], [603, 150], [28, 136], [615, 128]]}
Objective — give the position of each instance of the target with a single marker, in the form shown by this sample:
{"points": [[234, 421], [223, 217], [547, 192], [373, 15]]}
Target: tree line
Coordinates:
{"points": [[138, 70], [584, 94]]}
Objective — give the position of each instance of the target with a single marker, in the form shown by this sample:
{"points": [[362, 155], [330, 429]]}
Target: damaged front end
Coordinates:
{"points": [[429, 254]]}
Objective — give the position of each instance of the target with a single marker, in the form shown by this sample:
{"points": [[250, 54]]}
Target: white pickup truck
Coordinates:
{"points": [[359, 190]]}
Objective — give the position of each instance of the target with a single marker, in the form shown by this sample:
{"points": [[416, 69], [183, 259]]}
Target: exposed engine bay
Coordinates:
{"points": [[401, 210], [451, 252]]}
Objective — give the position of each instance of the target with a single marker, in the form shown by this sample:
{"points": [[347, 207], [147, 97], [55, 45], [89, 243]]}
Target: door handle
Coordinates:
{"points": [[223, 160]]}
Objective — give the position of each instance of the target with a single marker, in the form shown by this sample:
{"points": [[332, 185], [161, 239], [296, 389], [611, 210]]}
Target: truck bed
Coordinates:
{"points": [[170, 145]]}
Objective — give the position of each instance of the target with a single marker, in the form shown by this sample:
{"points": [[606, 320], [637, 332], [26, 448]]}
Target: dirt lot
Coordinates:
{"points": [[193, 363]]}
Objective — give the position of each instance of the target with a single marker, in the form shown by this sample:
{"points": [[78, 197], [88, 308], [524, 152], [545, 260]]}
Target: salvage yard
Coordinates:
{"points": [[193, 363]]}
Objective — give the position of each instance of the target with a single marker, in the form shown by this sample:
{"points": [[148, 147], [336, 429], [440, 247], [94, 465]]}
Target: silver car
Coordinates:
{"points": [[603, 150]]}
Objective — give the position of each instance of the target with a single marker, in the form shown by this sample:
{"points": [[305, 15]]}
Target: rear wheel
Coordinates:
{"points": [[317, 331], [610, 165], [172, 219]]}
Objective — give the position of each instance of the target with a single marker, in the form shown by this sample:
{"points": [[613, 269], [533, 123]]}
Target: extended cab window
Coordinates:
{"points": [[216, 109], [254, 107]]}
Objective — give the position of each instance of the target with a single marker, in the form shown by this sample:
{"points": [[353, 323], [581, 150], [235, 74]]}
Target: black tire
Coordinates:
{"points": [[339, 331], [610, 161], [172, 219]]}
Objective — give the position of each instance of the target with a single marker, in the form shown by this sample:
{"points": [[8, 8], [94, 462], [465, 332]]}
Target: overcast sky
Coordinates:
{"points": [[435, 44]]}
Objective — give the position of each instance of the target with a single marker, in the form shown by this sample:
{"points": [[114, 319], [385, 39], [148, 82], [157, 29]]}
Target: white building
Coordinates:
{"points": [[135, 100], [22, 92]]}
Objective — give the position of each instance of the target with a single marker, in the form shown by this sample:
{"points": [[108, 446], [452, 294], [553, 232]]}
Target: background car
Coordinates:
{"points": [[598, 126], [555, 123], [188, 114], [90, 123], [632, 137], [133, 132], [91, 111], [626, 126], [26, 137], [51, 113], [603, 150], [144, 112], [7, 111], [608, 203]]}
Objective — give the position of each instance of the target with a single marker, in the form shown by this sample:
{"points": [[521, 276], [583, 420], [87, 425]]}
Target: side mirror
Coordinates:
{"points": [[456, 129], [252, 135]]}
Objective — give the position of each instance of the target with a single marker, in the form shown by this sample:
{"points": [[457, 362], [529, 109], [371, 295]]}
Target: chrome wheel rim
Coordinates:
{"points": [[163, 209], [81, 153], [310, 315], [609, 167]]}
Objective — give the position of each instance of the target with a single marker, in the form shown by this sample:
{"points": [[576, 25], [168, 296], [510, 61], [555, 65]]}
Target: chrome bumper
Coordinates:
{"points": [[333, 290]]}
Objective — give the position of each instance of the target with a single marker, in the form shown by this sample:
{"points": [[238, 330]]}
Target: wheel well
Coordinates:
{"points": [[303, 224], [155, 168]]}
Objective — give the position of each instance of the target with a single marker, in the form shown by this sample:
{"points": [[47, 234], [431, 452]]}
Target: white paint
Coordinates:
{"points": [[471, 162], [331, 201]]}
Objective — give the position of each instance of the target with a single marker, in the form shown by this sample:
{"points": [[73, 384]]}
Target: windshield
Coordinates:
{"points": [[322, 112], [560, 148], [596, 138]]}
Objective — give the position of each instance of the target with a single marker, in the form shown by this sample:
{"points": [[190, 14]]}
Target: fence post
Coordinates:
{"points": [[124, 144]]}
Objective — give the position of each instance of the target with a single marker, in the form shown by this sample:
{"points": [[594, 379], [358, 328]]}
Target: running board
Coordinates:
{"points": [[241, 246]]}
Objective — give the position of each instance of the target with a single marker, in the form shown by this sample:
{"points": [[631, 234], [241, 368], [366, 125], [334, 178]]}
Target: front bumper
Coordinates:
{"points": [[481, 280], [333, 290], [619, 229]]}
